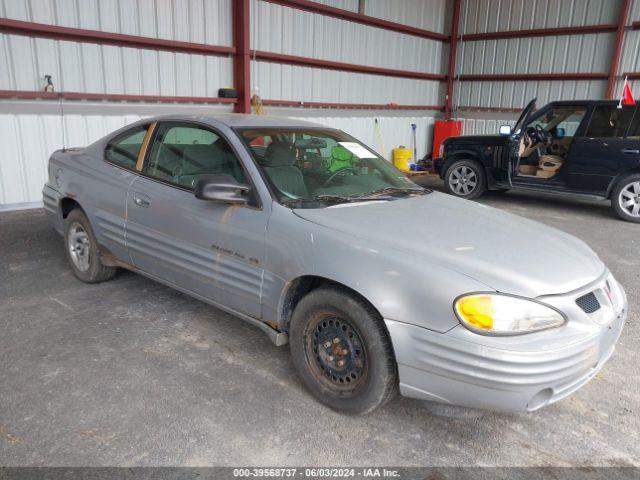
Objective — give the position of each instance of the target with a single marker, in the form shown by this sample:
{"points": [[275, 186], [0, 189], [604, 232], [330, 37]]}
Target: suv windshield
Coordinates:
{"points": [[312, 168]]}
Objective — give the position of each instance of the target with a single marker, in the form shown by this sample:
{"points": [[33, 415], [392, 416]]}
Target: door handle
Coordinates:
{"points": [[630, 151], [140, 201]]}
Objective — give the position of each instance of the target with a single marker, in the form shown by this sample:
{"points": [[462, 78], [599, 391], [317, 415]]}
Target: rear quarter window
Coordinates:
{"points": [[123, 150]]}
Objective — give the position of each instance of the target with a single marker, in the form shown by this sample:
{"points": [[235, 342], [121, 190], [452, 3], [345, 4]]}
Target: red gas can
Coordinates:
{"points": [[443, 129]]}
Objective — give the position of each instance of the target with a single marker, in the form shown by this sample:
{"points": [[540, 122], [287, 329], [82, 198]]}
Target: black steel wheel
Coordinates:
{"points": [[342, 351]]}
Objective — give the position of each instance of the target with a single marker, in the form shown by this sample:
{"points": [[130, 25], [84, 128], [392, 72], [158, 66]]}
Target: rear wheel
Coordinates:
{"points": [[625, 198], [82, 249], [342, 351], [466, 179]]}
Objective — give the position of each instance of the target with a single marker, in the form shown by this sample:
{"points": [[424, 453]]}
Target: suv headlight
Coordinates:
{"points": [[497, 314]]}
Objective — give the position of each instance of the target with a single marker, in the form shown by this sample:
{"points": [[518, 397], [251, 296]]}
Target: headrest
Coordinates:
{"points": [[340, 153], [279, 154], [200, 152]]}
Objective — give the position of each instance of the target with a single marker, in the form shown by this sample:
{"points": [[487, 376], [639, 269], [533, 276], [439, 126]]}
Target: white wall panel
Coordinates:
{"points": [[518, 94], [82, 67], [431, 15], [286, 82], [575, 53], [318, 36], [482, 16], [198, 21]]}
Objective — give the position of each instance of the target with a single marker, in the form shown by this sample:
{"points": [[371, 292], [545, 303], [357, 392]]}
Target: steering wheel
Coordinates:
{"points": [[537, 134], [544, 136], [340, 171]]}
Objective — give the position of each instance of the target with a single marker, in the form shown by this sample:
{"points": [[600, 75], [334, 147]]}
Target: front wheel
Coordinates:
{"points": [[625, 198], [342, 351], [466, 179]]}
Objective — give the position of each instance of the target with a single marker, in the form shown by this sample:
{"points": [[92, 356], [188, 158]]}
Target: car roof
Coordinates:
{"points": [[239, 120], [584, 102]]}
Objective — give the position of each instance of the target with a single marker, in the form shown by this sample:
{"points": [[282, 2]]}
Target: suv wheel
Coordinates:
{"points": [[466, 179], [625, 198], [342, 351], [82, 250]]}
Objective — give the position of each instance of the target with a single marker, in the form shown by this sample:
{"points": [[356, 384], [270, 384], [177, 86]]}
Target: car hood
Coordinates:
{"points": [[506, 252]]}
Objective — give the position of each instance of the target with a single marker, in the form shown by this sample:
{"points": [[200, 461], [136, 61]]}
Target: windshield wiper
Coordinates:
{"points": [[391, 190]]}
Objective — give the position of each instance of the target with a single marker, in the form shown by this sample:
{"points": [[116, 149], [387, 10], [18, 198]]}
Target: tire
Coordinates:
{"points": [[465, 179], [81, 248], [367, 379], [625, 198]]}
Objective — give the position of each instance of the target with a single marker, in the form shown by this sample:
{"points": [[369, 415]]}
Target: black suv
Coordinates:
{"points": [[589, 148]]}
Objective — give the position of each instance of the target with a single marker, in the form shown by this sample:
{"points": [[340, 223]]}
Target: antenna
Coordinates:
{"points": [[49, 88]]}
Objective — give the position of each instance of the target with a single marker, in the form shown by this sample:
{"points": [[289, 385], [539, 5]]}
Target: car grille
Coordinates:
{"points": [[588, 303]]}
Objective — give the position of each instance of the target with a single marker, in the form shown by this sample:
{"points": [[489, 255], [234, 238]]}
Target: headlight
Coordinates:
{"points": [[496, 314]]}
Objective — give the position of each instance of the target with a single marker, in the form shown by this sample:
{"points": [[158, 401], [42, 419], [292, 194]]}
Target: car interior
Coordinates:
{"points": [[546, 141], [302, 165], [182, 155]]}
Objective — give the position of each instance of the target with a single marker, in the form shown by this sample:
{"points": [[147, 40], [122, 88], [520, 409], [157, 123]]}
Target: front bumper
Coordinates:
{"points": [[519, 373]]}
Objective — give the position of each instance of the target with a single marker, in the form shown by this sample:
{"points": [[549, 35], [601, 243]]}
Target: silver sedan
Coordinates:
{"points": [[377, 284]]}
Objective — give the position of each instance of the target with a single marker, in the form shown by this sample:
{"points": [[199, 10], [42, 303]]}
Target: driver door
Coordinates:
{"points": [[211, 249]]}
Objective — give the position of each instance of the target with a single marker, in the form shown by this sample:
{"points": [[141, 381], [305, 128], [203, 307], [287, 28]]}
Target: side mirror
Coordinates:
{"points": [[505, 130], [221, 188], [558, 132]]}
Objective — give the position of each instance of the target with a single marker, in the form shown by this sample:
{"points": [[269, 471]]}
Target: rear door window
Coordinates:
{"points": [[123, 150], [608, 121]]}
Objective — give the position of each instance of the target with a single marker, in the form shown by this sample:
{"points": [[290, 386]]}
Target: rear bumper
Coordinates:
{"points": [[447, 369]]}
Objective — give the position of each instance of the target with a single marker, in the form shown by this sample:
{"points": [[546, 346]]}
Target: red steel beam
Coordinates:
{"points": [[453, 51], [363, 106], [617, 49], [469, 108], [242, 57], [346, 67], [532, 76], [633, 75], [539, 32], [635, 26], [40, 30], [342, 14], [112, 97]]}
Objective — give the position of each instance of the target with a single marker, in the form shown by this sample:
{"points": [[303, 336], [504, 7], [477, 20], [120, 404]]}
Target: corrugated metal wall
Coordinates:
{"points": [[557, 54], [313, 35], [90, 68], [31, 130]]}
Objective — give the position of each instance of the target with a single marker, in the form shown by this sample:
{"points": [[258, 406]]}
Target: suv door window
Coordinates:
{"points": [[566, 118], [609, 121], [183, 153], [123, 150]]}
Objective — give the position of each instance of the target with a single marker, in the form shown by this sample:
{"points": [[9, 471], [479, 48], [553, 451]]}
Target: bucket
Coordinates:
{"points": [[401, 157]]}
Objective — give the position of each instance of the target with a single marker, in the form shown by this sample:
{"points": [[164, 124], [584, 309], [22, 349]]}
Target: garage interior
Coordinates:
{"points": [[132, 373]]}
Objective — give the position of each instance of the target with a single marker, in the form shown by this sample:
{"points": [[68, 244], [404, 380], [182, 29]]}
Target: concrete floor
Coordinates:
{"points": [[132, 373]]}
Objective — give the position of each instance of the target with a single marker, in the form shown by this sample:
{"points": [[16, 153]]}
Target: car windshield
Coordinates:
{"points": [[314, 168], [567, 117]]}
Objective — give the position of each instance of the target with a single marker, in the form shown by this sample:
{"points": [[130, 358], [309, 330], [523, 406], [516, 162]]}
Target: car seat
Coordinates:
{"points": [[549, 165], [278, 162]]}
